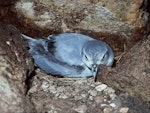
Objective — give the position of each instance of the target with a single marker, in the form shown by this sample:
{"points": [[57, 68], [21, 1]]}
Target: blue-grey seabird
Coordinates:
{"points": [[69, 54]]}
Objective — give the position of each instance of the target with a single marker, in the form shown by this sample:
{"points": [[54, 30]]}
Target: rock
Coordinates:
{"points": [[112, 105], [84, 95], [81, 109], [107, 110], [87, 15], [104, 105], [12, 100], [101, 87], [129, 76], [124, 110], [63, 96], [92, 92], [13, 67], [99, 99], [111, 92], [80, 95], [45, 86]]}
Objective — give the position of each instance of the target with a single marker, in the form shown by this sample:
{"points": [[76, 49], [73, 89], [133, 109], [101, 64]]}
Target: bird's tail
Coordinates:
{"points": [[27, 38]]}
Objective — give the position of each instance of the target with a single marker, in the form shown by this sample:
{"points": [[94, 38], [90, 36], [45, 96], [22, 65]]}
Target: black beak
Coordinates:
{"points": [[94, 70]]}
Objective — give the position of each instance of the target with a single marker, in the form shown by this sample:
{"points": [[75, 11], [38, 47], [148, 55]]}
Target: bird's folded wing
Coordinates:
{"points": [[53, 66], [68, 47]]}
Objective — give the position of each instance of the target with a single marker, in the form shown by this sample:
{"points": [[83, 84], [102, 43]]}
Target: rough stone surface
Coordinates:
{"points": [[84, 14], [70, 95], [132, 72], [12, 77], [119, 23], [51, 94], [101, 87], [124, 110]]}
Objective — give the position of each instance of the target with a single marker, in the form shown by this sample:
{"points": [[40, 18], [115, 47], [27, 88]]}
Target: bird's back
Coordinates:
{"points": [[59, 54], [68, 47]]}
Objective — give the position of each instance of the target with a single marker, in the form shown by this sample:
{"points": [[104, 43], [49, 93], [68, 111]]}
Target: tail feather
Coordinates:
{"points": [[27, 38]]}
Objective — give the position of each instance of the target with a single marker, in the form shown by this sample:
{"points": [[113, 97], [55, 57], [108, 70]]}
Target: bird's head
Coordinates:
{"points": [[95, 53]]}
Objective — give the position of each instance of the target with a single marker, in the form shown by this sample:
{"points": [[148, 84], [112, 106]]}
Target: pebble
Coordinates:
{"points": [[112, 96], [107, 110], [51, 111], [91, 97], [112, 105], [63, 96], [79, 82], [52, 89], [124, 110], [104, 105], [92, 92], [109, 90], [98, 99], [60, 89], [45, 86], [81, 109], [83, 95], [101, 87]]}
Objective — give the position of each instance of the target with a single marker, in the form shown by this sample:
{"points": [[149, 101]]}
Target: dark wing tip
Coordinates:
{"points": [[51, 46]]}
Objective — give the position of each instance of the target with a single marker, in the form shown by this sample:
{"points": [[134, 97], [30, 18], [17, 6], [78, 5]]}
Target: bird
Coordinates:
{"points": [[69, 54]]}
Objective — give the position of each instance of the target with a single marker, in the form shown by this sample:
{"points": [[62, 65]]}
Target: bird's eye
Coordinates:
{"points": [[86, 57], [103, 57]]}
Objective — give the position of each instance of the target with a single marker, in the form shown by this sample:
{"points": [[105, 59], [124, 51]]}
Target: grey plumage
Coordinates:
{"points": [[70, 54]]}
